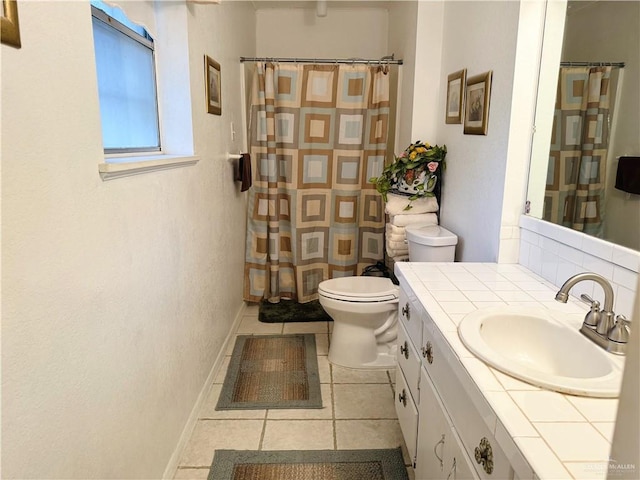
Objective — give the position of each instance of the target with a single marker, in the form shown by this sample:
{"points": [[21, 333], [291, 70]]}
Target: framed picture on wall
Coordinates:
{"points": [[9, 27], [476, 113], [212, 86], [455, 96]]}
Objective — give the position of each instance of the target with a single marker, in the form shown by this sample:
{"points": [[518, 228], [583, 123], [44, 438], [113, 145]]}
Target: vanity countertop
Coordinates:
{"points": [[558, 436]]}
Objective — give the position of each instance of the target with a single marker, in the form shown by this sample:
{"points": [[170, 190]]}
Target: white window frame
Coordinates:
{"points": [[144, 160]]}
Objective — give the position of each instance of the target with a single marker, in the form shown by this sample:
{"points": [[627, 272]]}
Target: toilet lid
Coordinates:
{"points": [[429, 234], [359, 289]]}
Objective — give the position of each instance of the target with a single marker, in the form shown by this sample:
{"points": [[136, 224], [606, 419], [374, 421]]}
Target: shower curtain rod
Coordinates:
{"points": [[381, 61], [592, 64]]}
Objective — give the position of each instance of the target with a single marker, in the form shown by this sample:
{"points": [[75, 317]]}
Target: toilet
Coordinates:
{"points": [[430, 243], [365, 309], [365, 315]]}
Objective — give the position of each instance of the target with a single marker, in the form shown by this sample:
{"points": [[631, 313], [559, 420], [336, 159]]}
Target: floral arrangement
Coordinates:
{"points": [[414, 172]]}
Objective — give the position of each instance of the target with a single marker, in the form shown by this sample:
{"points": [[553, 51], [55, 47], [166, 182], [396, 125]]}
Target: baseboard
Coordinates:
{"points": [[172, 466]]}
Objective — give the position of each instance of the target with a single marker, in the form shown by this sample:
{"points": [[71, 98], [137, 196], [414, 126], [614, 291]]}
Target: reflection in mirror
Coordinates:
{"points": [[587, 117]]}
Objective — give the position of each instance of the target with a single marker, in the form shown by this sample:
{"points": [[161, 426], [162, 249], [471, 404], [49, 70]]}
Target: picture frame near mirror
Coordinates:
{"points": [[455, 96], [477, 98], [9, 26], [212, 86]]}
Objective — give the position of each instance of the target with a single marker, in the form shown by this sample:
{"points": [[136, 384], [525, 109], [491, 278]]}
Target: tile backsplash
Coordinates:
{"points": [[556, 253]]}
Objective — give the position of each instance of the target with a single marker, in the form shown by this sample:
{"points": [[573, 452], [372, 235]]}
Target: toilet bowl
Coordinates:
{"points": [[365, 314]]}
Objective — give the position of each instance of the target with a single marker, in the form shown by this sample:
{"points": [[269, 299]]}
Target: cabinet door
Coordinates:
{"points": [[409, 362], [439, 452], [432, 433], [457, 465], [407, 413]]}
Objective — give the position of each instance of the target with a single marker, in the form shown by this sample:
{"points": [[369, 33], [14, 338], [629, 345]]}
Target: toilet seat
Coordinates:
{"points": [[359, 289]]}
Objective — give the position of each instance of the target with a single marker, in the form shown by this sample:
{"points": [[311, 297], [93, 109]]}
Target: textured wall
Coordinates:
{"points": [[117, 296]]}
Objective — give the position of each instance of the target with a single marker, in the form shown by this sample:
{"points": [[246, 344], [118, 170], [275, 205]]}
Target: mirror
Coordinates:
{"points": [[580, 33]]}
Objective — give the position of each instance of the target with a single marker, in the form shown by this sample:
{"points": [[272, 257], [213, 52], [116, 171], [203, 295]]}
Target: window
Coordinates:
{"points": [[125, 66]]}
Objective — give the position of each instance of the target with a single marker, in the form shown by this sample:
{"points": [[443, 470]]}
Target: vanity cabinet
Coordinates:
{"points": [[443, 427], [439, 450]]}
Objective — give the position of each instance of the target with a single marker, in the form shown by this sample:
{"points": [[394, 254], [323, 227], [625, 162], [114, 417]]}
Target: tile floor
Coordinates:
{"points": [[348, 420]]}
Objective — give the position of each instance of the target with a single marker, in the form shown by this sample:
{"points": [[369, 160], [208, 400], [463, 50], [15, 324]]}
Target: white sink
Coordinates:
{"points": [[540, 348]]}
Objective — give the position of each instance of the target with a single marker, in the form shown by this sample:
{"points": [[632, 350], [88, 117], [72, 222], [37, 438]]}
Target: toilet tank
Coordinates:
{"points": [[430, 243]]}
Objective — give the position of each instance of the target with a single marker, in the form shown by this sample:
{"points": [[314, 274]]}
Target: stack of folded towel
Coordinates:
{"points": [[422, 211]]}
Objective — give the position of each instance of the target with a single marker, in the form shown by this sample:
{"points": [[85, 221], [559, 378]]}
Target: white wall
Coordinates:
{"points": [[402, 41], [478, 36], [343, 33], [117, 296]]}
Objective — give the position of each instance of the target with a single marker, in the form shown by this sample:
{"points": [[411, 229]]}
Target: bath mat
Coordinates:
{"points": [[272, 371], [384, 464], [292, 311]]}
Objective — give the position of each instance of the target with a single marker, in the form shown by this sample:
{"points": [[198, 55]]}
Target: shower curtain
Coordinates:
{"points": [[575, 191], [317, 134]]}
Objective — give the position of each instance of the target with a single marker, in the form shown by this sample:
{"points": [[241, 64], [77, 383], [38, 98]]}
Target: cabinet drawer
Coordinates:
{"points": [[467, 419], [409, 362], [410, 313], [407, 413]]}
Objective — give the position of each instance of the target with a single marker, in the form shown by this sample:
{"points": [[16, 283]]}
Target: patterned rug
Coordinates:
{"points": [[384, 464], [272, 371], [291, 311]]}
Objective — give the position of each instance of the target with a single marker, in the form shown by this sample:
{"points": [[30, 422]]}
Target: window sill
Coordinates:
{"points": [[118, 167]]}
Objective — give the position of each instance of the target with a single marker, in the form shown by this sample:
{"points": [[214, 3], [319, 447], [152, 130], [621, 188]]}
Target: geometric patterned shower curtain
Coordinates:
{"points": [[575, 191], [317, 134]]}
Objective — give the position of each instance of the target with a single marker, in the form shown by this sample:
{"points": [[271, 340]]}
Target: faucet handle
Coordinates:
{"points": [[593, 317], [620, 331], [587, 299]]}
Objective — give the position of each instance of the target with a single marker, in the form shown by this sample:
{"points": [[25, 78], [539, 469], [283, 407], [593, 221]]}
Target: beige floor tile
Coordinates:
{"points": [[360, 434], [222, 373], [192, 474], [324, 371], [324, 413], [209, 408], [210, 435], [305, 327], [298, 435], [250, 325], [350, 375], [252, 309], [322, 344], [363, 401]]}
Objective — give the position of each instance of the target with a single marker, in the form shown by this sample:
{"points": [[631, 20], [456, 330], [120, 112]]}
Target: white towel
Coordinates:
{"points": [[397, 253], [404, 220], [397, 245], [396, 205], [393, 230], [392, 237]]}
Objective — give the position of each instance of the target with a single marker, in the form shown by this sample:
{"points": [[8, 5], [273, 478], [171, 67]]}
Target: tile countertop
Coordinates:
{"points": [[560, 436]]}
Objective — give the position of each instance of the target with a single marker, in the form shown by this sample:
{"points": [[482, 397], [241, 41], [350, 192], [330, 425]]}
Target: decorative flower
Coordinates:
{"points": [[419, 166]]}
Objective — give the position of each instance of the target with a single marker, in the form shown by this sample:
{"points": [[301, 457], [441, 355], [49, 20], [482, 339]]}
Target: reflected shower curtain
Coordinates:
{"points": [[317, 134], [575, 191]]}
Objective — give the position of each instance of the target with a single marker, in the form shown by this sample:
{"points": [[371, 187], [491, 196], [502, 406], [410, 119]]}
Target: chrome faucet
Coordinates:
{"points": [[600, 326]]}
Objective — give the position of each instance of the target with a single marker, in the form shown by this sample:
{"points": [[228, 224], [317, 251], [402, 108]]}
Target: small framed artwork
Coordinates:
{"points": [[455, 96], [476, 113], [9, 27], [212, 83]]}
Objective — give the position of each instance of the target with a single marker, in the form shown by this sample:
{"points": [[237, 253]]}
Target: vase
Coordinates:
{"points": [[409, 183]]}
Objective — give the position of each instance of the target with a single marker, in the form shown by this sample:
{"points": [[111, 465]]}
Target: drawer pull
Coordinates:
{"points": [[402, 398], [435, 451], [427, 352], [453, 470], [404, 350], [484, 455], [406, 311]]}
